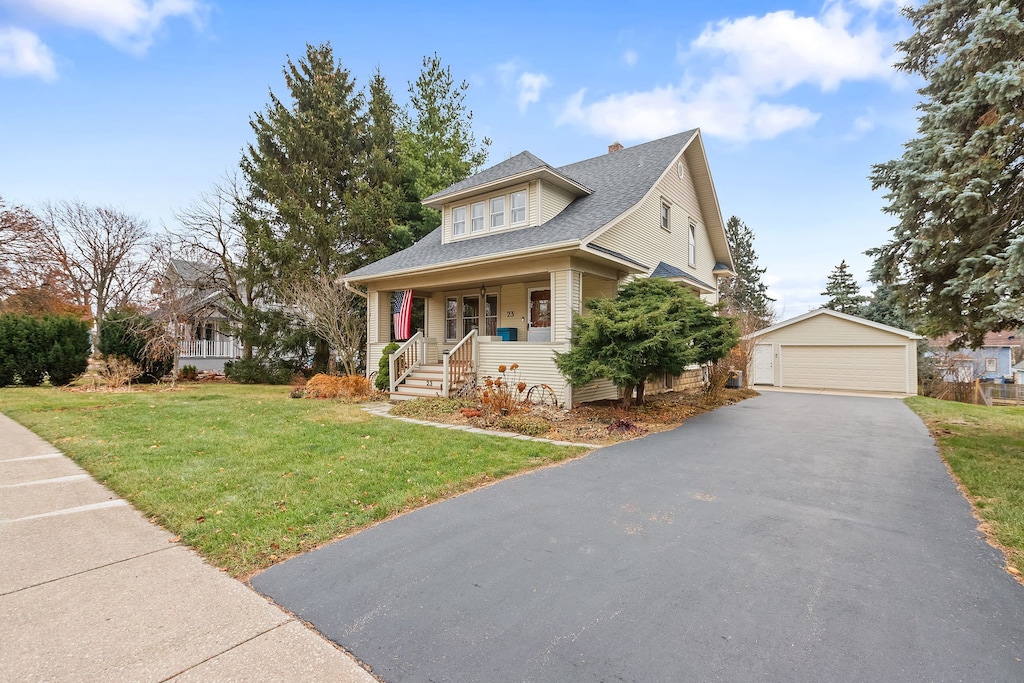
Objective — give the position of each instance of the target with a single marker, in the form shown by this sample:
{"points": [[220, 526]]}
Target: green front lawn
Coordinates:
{"points": [[985, 449], [247, 476]]}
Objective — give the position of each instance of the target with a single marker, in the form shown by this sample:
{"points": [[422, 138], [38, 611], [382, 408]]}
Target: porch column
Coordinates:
{"points": [[378, 317], [566, 302]]}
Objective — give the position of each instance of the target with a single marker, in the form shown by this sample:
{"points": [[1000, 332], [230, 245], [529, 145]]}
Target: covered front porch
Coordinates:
{"points": [[482, 318]]}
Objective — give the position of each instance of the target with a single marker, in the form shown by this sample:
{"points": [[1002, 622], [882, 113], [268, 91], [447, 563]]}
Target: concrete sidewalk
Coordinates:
{"points": [[91, 591]]}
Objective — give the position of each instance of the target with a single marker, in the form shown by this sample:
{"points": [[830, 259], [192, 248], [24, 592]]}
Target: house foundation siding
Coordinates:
{"points": [[536, 363]]}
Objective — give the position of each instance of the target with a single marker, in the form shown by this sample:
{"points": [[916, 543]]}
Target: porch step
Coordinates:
{"points": [[423, 382]]}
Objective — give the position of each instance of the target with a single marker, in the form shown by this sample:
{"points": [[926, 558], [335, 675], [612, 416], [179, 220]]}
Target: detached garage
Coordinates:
{"points": [[825, 349]]}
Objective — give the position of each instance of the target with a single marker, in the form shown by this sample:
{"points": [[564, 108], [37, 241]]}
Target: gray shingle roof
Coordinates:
{"points": [[520, 163], [668, 271], [618, 180], [193, 271]]}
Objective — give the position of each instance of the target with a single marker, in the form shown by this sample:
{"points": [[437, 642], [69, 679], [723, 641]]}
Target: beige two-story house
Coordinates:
{"points": [[522, 245]]}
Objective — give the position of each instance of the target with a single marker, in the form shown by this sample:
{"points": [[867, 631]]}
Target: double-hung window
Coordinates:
{"points": [[666, 223], [498, 212], [459, 221], [693, 244], [517, 207], [477, 217]]}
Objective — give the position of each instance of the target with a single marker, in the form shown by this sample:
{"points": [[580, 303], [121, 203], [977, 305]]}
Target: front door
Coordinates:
{"points": [[540, 315], [764, 364]]}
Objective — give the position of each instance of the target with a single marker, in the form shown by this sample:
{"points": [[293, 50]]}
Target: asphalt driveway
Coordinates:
{"points": [[790, 537]]}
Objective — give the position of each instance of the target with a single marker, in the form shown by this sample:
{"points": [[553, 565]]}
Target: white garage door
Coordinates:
{"points": [[858, 368]]}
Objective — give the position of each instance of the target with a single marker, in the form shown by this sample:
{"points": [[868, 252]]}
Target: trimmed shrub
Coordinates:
{"points": [[383, 381], [34, 348], [252, 371], [124, 335], [69, 353]]}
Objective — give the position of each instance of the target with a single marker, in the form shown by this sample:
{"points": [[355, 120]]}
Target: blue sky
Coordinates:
{"points": [[143, 104]]}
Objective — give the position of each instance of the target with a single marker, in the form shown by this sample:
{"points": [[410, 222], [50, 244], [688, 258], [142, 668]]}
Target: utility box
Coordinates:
{"points": [[735, 380], [508, 333]]}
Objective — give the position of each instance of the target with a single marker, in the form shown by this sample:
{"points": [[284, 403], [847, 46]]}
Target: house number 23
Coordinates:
{"points": [[510, 314]]}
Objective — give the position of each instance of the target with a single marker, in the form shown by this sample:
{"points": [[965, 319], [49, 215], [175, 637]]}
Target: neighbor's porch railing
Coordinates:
{"points": [[459, 362], [406, 358], [210, 348]]}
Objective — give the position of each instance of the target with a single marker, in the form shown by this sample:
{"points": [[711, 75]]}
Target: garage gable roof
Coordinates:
{"points": [[836, 314]]}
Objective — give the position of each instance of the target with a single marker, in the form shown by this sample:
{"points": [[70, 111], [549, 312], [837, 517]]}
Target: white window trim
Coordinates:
{"points": [[482, 318], [482, 218], [511, 208], [456, 222], [484, 202], [692, 246], [665, 217], [492, 214]]}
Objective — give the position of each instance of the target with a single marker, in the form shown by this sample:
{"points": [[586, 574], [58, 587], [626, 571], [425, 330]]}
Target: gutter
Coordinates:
{"points": [[352, 289]]}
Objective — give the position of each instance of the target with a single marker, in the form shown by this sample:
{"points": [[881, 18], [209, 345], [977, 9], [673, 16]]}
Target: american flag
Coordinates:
{"points": [[401, 309]]}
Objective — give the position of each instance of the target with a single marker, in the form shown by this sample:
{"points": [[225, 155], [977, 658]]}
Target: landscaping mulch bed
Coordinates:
{"points": [[599, 422]]}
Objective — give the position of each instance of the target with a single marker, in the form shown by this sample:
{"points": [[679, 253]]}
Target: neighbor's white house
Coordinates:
{"points": [[522, 245]]}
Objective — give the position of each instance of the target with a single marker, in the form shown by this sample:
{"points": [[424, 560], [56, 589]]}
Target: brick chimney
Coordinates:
{"points": [[615, 147]]}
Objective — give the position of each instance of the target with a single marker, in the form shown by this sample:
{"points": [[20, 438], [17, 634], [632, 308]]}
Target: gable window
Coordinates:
{"points": [[666, 223], [477, 217], [693, 244], [991, 365], [498, 212], [459, 221], [517, 204]]}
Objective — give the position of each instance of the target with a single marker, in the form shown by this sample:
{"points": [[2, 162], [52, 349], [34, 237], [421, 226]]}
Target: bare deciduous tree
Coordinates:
{"points": [[19, 242], [210, 234], [103, 255], [173, 326], [331, 312]]}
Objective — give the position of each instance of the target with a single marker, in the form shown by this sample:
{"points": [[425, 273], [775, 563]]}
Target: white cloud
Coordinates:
{"points": [[780, 50], [760, 60], [22, 53], [128, 24], [630, 57], [530, 85]]}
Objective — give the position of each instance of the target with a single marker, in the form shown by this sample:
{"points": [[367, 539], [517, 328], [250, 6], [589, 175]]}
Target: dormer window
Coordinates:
{"points": [[490, 212], [459, 221], [518, 207], [477, 217], [498, 212]]}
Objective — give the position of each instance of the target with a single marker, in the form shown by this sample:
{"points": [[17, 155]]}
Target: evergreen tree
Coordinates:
{"points": [[957, 252], [745, 293], [652, 328], [843, 292], [883, 307], [302, 170], [377, 200], [438, 147]]}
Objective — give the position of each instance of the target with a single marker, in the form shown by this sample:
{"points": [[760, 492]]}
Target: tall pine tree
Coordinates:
{"points": [[956, 257], [438, 148], [745, 293], [843, 292]]}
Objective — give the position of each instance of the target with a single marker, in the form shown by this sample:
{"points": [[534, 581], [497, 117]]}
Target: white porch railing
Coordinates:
{"points": [[210, 348], [408, 356], [459, 362]]}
